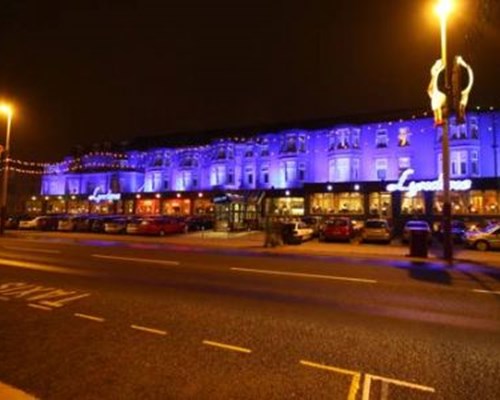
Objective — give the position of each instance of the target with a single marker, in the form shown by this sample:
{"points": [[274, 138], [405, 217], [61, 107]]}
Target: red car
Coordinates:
{"points": [[337, 229], [157, 226]]}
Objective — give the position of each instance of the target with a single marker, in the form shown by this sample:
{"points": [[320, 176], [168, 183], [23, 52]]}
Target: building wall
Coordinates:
{"points": [[289, 159]]}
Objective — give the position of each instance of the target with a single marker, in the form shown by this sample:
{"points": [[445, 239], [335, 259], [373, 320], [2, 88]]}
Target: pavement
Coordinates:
{"points": [[254, 242]]}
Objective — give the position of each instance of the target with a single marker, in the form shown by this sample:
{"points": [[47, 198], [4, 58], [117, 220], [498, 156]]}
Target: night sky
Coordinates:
{"points": [[82, 72]]}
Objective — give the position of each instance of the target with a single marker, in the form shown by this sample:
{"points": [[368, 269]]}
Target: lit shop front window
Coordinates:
{"points": [[78, 206], [148, 207], [289, 206], [203, 207], [176, 207], [484, 202], [412, 204], [103, 207], [380, 204], [459, 202], [56, 206], [337, 203]]}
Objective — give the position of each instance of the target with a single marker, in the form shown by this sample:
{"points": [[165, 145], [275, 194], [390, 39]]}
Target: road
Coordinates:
{"points": [[96, 319]]}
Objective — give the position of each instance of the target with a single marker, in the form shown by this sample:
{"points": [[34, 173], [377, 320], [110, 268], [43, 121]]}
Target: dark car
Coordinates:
{"points": [[199, 223], [458, 230], [337, 229]]}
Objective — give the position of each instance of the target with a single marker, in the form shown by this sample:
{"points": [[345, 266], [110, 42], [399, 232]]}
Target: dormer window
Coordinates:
{"points": [[381, 139], [404, 137], [474, 128], [289, 145], [264, 148], [343, 139], [221, 153], [188, 160], [249, 152], [355, 138]]}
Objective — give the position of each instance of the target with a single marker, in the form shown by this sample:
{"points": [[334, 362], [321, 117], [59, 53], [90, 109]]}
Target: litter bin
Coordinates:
{"points": [[419, 242]]}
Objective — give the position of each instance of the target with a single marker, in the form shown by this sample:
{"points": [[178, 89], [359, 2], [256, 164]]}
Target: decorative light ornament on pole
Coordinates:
{"points": [[442, 102], [7, 110]]}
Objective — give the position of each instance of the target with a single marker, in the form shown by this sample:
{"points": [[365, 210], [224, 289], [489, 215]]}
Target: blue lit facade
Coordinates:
{"points": [[295, 163]]}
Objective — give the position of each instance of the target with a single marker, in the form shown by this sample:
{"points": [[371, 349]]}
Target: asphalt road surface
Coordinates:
{"points": [[94, 319]]}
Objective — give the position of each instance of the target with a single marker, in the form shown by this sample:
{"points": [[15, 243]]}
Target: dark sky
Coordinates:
{"points": [[87, 71]]}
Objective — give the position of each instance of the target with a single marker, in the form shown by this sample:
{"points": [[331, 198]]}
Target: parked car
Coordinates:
{"points": [[296, 232], [116, 225], [199, 223], [97, 223], [416, 225], [314, 223], [377, 230], [458, 230], [157, 226], [485, 239], [340, 228], [66, 224], [41, 223], [12, 222]]}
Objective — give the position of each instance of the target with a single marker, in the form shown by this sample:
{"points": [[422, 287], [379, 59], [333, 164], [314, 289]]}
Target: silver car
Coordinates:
{"points": [[376, 230], [488, 238]]}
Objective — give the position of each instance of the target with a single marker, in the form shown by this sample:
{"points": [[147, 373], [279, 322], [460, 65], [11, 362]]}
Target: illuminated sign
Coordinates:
{"points": [[98, 197], [430, 186]]}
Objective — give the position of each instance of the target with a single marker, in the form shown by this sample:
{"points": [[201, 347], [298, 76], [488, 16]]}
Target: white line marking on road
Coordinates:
{"points": [[356, 376], [369, 378], [30, 249], [39, 307], [4, 298], [227, 346], [486, 291], [149, 330], [304, 275], [48, 268], [9, 392], [90, 317], [139, 260]]}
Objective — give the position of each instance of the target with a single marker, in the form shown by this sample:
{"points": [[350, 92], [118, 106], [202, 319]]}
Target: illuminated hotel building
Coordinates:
{"points": [[327, 169]]}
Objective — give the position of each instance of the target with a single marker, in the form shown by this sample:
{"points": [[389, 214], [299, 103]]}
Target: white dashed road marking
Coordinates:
{"points": [[304, 275], [486, 291], [149, 330], [227, 346], [48, 268], [30, 249], [90, 317], [138, 260], [39, 307]]}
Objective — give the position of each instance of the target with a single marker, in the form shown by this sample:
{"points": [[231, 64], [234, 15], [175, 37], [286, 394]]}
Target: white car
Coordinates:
{"points": [[488, 238], [296, 232]]}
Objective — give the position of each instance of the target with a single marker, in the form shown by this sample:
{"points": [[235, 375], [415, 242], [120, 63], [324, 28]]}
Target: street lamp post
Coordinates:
{"points": [[444, 8], [7, 110]]}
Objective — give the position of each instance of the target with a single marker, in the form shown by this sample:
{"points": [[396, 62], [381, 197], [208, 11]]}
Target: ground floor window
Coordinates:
{"points": [[473, 202], [176, 207], [147, 206], [380, 204], [203, 207], [412, 204], [104, 207], [337, 203], [56, 206], [78, 206], [128, 206], [34, 206], [288, 205]]}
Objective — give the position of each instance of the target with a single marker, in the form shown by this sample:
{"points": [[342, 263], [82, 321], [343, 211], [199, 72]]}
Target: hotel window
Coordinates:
{"points": [[381, 139], [264, 174], [332, 139], [458, 163], [355, 169], [194, 181], [462, 131], [249, 175], [491, 202], [343, 139], [404, 163], [350, 203], [355, 138], [217, 177], [156, 182], [302, 172], [404, 137], [264, 148], [158, 161], [474, 128], [288, 170], [230, 176], [381, 168], [459, 202], [439, 134], [249, 152], [185, 180], [337, 203], [289, 144], [220, 153], [166, 183], [302, 143], [342, 170], [474, 163]]}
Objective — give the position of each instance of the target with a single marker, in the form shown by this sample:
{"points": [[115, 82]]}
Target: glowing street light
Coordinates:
{"points": [[7, 110]]}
